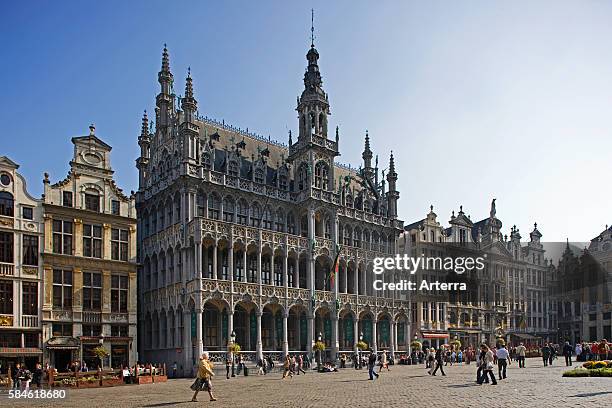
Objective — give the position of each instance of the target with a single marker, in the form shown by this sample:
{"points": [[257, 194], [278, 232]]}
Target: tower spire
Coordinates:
{"points": [[165, 99], [189, 103], [312, 28], [144, 131]]}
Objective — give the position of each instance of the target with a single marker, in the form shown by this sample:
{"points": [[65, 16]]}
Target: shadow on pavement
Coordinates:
{"points": [[590, 394], [166, 404]]}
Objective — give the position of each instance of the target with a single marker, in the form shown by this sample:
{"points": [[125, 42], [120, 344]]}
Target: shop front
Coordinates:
{"points": [[61, 351], [434, 338]]}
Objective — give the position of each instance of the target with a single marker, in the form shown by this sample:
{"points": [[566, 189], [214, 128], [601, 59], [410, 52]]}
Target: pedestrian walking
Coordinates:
{"points": [[439, 360], [567, 353], [545, 354], [372, 365], [520, 355], [300, 364], [203, 381], [487, 365], [502, 360], [384, 363], [287, 367]]}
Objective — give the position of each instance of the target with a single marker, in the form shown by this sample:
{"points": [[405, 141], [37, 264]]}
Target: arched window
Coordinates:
{"points": [[327, 228], [349, 201], [233, 169], [347, 235], [366, 239], [367, 206], [255, 214], [201, 203], [280, 220], [304, 226], [7, 204], [357, 237], [267, 218], [259, 176], [283, 183], [302, 176], [291, 223], [322, 175], [153, 220], [177, 207], [206, 161], [242, 212], [214, 206], [322, 124], [169, 212], [312, 122], [228, 209]]}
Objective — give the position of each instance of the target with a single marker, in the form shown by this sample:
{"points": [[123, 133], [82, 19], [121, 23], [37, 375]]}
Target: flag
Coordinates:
{"points": [[334, 268]]}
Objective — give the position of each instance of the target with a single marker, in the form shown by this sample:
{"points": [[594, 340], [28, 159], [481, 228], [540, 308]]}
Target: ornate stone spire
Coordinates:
{"points": [[367, 153], [144, 130]]}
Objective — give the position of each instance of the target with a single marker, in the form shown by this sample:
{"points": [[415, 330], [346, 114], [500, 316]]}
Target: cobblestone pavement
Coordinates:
{"points": [[403, 386]]}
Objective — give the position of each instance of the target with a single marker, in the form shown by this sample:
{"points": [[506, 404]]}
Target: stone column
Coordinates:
{"points": [[285, 334], [197, 270], [230, 260], [187, 345], [355, 333], [285, 270], [393, 333], [356, 272], [259, 267], [374, 336], [244, 265], [334, 335], [259, 344], [230, 325], [272, 269], [310, 338], [214, 260], [199, 339]]}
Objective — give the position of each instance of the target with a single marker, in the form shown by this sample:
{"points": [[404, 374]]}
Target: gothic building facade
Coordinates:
{"points": [[238, 236], [509, 298]]}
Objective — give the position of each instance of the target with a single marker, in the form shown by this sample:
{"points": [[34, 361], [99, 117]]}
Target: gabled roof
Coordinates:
{"points": [[414, 225], [8, 162], [90, 138]]}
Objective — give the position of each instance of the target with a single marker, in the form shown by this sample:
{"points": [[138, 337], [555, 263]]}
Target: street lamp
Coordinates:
{"points": [[319, 338], [233, 340], [358, 350]]}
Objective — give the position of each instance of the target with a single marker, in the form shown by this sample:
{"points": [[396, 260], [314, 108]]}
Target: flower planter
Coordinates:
{"points": [[160, 378], [145, 379], [112, 382], [89, 384]]}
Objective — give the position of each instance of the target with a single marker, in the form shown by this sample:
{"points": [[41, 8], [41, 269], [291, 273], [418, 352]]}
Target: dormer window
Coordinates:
{"points": [[92, 202], [206, 163], [322, 175], [282, 182], [259, 176], [233, 169]]}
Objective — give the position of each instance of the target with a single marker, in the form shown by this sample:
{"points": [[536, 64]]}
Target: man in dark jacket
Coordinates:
{"points": [[372, 364], [567, 352], [545, 354], [439, 360]]}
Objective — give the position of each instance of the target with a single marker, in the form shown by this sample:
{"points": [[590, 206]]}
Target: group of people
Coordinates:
{"points": [[22, 377]]}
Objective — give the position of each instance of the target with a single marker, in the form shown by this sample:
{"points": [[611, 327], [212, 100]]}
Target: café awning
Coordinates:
{"points": [[63, 343], [434, 335]]}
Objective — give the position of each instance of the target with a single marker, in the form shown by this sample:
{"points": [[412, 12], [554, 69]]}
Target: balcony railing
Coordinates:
{"points": [[92, 317], [29, 321], [7, 269]]}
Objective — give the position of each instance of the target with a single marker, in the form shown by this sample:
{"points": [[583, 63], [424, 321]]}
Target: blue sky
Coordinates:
{"points": [[477, 99]]}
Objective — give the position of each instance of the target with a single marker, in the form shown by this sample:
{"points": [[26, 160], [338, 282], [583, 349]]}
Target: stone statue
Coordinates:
{"points": [[493, 211]]}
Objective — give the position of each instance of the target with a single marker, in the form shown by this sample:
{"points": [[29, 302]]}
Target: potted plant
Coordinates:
{"points": [[362, 345], [416, 345], [455, 344], [234, 348], [101, 353]]}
